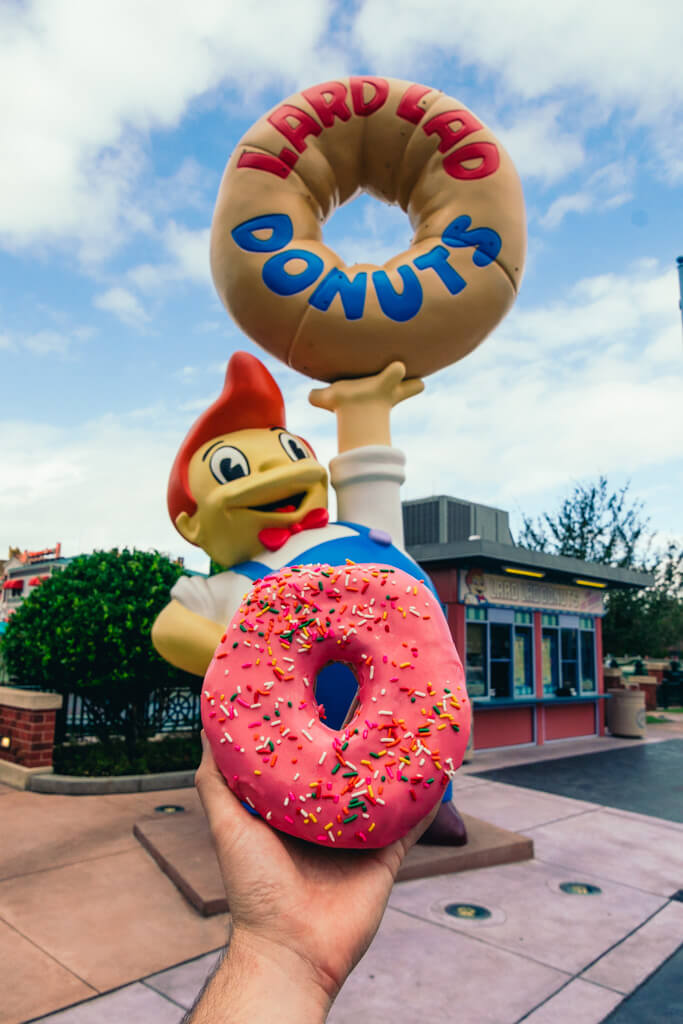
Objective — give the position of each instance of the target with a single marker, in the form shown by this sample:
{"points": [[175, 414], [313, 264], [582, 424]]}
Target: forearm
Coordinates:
{"points": [[261, 982], [185, 639], [363, 406], [363, 422]]}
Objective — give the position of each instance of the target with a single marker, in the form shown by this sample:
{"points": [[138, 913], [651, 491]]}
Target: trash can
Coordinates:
{"points": [[626, 713], [469, 749]]}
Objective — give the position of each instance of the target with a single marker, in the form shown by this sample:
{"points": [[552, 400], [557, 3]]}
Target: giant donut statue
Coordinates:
{"points": [[406, 144], [369, 782]]}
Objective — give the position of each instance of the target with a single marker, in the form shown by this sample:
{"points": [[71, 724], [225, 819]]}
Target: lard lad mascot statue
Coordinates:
{"points": [[253, 496]]}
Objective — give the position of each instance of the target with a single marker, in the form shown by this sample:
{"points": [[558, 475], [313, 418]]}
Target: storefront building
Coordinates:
{"points": [[23, 572], [527, 625]]}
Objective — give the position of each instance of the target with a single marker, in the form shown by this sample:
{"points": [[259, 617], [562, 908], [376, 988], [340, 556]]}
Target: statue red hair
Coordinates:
{"points": [[250, 398]]}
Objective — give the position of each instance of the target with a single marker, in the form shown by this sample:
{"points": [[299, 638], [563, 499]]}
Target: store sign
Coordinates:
{"points": [[482, 588]]}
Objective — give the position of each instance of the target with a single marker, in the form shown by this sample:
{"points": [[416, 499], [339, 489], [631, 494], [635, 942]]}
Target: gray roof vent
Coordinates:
{"points": [[445, 520]]}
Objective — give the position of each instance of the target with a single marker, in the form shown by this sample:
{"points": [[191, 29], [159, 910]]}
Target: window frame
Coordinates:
{"points": [[559, 625], [520, 622]]}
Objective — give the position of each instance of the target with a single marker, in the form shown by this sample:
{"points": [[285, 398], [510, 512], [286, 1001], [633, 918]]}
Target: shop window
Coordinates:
{"points": [[475, 660], [588, 680], [500, 648], [523, 662], [568, 656], [499, 653], [550, 662], [569, 653]]}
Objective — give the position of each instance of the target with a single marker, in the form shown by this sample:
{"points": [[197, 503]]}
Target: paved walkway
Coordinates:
{"points": [[84, 911]]}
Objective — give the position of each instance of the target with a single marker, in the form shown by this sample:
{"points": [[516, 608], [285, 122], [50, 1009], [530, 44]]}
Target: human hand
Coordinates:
{"points": [[299, 911], [363, 406]]}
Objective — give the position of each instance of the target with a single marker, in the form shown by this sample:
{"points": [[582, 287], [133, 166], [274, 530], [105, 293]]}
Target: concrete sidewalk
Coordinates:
{"points": [[84, 911]]}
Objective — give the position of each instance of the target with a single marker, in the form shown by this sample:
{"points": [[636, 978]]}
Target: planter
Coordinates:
{"points": [[27, 732], [77, 785], [648, 685]]}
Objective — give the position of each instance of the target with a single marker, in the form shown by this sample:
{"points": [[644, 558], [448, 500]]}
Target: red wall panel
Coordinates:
{"points": [[570, 720], [503, 727]]}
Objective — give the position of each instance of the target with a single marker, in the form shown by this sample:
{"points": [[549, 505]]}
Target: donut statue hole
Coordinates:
{"points": [[336, 688]]}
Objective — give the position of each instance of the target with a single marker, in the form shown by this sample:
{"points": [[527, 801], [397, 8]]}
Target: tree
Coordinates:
{"points": [[596, 524], [86, 631], [649, 621]]}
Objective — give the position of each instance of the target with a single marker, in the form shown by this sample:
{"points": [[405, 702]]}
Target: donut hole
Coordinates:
{"points": [[367, 230], [336, 688]]}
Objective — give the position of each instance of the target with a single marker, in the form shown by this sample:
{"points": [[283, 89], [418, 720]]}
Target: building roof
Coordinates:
{"points": [[442, 530], [493, 555]]}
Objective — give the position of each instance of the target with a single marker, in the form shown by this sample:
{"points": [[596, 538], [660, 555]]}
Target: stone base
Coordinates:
{"points": [[17, 776], [181, 845]]}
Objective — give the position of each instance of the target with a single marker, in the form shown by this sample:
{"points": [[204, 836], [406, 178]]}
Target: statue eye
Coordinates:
{"points": [[294, 447], [228, 464]]}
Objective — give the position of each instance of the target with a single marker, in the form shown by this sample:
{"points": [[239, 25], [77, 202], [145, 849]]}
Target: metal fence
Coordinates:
{"points": [[168, 711]]}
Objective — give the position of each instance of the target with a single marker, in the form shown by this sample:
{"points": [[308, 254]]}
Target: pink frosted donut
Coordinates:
{"points": [[368, 783]]}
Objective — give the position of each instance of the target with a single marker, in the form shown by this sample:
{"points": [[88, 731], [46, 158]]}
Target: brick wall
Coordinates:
{"points": [[27, 723]]}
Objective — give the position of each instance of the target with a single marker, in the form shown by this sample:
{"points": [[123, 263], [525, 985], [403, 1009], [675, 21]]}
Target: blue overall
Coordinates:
{"points": [[336, 686]]}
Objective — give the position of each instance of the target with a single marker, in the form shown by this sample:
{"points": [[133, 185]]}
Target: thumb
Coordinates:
{"points": [[212, 788], [227, 817]]}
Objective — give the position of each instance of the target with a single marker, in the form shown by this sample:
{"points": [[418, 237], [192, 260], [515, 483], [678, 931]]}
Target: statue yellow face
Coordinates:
{"points": [[244, 482]]}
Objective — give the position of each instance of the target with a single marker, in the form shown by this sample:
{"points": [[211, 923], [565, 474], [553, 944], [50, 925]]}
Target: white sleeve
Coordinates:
{"points": [[368, 482], [216, 598]]}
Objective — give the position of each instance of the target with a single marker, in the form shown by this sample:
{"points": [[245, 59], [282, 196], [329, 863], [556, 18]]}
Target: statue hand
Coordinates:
{"points": [[387, 389]]}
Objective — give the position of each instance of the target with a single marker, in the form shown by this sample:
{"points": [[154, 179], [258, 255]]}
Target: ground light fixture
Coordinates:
{"points": [[467, 911], [5, 742], [169, 809], [580, 889]]}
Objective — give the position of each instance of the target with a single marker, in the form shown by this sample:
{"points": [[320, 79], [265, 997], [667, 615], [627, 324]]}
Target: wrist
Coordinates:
{"points": [[363, 422], [260, 980]]}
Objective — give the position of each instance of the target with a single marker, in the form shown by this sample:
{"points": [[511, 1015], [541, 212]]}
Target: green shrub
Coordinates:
{"points": [[86, 631], [173, 753]]}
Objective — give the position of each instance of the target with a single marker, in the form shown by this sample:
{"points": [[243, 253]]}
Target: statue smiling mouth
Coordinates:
{"points": [[290, 503]]}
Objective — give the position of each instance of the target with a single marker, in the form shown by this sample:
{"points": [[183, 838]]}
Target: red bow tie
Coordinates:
{"points": [[273, 537]]}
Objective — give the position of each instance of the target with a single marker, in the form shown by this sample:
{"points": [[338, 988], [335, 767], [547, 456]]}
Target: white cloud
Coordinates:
{"points": [[625, 54], [605, 189], [373, 233], [83, 476], [83, 85], [47, 342], [189, 260], [540, 146], [579, 202], [124, 305], [610, 57], [590, 384]]}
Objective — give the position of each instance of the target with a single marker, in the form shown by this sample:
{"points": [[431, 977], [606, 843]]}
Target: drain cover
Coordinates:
{"points": [[169, 809], [467, 911], [580, 888]]}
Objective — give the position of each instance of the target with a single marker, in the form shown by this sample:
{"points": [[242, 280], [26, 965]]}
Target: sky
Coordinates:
{"points": [[116, 123]]}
